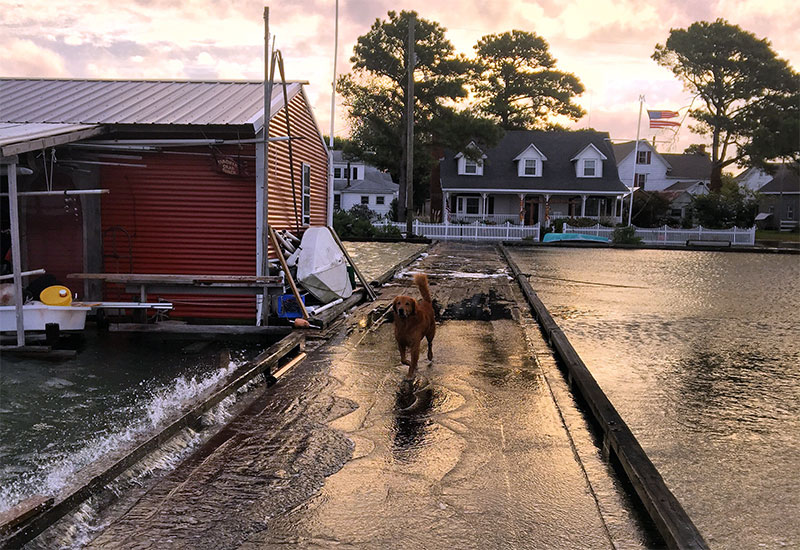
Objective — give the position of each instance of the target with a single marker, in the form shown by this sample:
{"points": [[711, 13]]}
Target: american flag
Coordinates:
{"points": [[656, 118]]}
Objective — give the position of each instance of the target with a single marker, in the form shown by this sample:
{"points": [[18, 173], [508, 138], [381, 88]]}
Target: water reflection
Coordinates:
{"points": [[704, 365]]}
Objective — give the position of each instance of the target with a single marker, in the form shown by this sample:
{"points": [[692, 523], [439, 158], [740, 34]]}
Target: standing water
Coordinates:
{"points": [[58, 417], [700, 353]]}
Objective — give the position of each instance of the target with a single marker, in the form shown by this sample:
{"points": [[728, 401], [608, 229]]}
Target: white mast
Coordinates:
{"points": [[635, 157]]}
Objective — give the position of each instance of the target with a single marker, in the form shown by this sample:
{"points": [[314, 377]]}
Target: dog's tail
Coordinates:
{"points": [[421, 280]]}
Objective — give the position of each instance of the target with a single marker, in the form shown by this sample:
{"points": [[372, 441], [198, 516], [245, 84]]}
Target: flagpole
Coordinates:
{"points": [[635, 158]]}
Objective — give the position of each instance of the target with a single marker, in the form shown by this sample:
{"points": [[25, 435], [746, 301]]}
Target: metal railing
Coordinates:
{"points": [[678, 237], [468, 232]]}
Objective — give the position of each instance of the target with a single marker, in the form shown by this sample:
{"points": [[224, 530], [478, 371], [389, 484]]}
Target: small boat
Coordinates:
{"points": [[36, 316], [321, 266], [579, 237]]}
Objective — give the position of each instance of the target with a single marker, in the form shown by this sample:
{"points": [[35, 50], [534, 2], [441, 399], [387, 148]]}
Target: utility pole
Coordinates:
{"points": [[411, 61]]}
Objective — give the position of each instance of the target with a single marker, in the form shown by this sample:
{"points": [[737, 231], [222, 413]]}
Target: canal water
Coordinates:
{"points": [[58, 417], [700, 353]]}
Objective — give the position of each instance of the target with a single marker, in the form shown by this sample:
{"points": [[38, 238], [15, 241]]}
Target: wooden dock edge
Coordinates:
{"points": [[17, 531], [671, 520]]}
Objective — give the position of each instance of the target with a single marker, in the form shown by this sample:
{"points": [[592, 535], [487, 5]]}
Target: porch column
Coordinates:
{"points": [[446, 207], [547, 210], [484, 205], [522, 208], [583, 205]]}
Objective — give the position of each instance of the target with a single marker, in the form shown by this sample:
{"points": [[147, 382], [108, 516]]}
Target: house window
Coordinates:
{"points": [[337, 173], [472, 205], [355, 172], [589, 168], [640, 180], [530, 167], [380, 199], [789, 212], [676, 213], [643, 157], [337, 202], [306, 194], [364, 199], [470, 166]]}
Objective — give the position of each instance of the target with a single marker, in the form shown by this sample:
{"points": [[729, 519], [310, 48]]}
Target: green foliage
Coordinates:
{"points": [[750, 96], [356, 222], [625, 235], [516, 82], [558, 223], [375, 96], [650, 209], [731, 206]]}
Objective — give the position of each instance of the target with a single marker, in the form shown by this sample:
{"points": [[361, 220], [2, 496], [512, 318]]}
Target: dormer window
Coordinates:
{"points": [[529, 162], [589, 162], [471, 164]]}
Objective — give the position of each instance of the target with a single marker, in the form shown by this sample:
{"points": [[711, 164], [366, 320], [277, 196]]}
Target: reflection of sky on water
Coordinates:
{"points": [[700, 352]]}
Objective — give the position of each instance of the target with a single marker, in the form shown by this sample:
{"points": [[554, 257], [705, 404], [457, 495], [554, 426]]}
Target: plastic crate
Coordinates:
{"points": [[288, 307]]}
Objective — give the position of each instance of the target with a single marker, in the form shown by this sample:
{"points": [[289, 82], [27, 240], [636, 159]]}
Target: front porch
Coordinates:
{"points": [[528, 208]]}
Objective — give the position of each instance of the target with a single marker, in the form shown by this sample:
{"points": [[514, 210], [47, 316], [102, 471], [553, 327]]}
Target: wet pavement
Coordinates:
{"points": [[341, 452]]}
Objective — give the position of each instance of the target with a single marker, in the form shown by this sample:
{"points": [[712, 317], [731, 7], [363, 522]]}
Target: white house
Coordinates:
{"points": [[356, 182], [755, 178], [657, 171], [533, 177]]}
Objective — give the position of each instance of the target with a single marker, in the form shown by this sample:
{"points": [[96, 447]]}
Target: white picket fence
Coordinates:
{"points": [[670, 236], [468, 232]]}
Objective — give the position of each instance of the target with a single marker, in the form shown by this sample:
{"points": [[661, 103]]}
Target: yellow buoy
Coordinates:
{"points": [[56, 296]]}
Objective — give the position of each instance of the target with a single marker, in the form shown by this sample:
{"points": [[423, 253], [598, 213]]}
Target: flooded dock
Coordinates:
{"points": [[487, 449]]}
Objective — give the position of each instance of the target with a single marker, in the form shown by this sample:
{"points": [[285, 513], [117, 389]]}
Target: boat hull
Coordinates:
{"points": [[36, 316], [574, 237]]}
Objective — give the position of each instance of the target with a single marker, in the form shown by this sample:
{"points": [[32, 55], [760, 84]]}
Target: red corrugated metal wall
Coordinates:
{"points": [[185, 217], [182, 217]]}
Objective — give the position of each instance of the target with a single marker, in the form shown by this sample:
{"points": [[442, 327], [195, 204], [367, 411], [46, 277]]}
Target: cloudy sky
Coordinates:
{"points": [[606, 43]]}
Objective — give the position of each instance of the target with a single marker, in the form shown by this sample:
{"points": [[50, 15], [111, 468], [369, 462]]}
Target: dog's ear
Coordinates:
{"points": [[394, 306], [413, 307]]}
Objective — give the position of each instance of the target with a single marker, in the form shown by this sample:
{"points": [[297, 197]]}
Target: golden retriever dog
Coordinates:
{"points": [[413, 320]]}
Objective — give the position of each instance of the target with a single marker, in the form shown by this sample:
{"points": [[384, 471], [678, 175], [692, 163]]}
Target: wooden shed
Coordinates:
{"points": [[180, 164]]}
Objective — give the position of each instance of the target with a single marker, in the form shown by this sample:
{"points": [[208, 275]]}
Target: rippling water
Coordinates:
{"points": [[700, 353], [58, 417]]}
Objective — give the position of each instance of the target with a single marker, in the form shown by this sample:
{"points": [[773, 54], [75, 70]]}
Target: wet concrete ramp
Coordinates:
{"points": [[480, 461], [343, 453]]}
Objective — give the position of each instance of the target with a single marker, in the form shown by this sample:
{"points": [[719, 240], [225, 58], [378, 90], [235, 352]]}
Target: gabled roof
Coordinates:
{"points": [[138, 102], [558, 173], [622, 150], [528, 148], [683, 185], [786, 180], [688, 165], [590, 146], [472, 145]]}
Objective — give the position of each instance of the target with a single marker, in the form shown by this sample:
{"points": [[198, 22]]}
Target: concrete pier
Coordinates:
{"points": [[486, 449]]}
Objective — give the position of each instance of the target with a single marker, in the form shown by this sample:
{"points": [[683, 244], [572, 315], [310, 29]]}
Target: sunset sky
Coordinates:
{"points": [[606, 43]]}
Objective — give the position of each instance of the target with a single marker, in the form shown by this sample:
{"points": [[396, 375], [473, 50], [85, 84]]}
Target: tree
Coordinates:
{"points": [[750, 96], [375, 95], [696, 149], [516, 83], [731, 206]]}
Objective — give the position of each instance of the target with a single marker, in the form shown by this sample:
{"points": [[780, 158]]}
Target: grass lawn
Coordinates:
{"points": [[764, 235]]}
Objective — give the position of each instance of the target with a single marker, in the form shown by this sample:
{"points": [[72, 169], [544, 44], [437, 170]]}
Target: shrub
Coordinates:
{"points": [[355, 223], [625, 235]]}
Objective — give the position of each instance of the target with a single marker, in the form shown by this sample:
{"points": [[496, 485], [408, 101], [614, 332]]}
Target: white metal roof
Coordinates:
{"points": [[68, 101], [17, 138]]}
